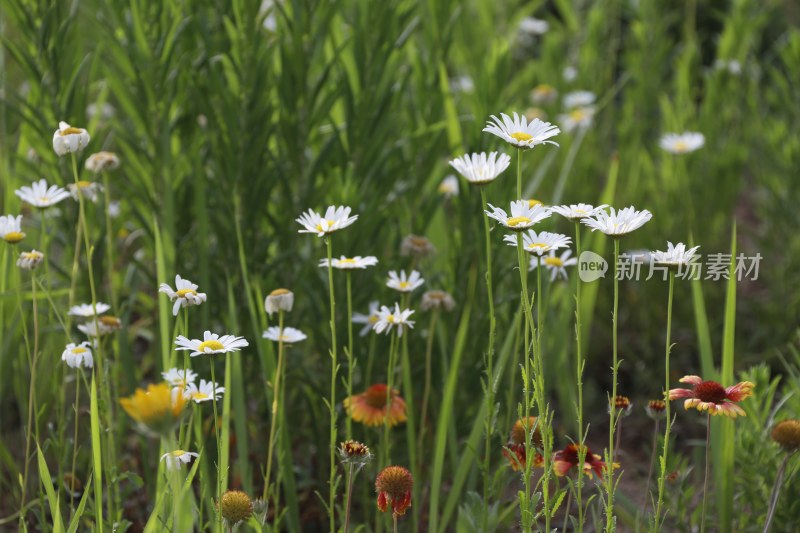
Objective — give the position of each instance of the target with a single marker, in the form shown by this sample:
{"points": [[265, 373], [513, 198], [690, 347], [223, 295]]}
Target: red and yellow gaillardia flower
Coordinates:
{"points": [[394, 485], [712, 397], [565, 459], [370, 407], [514, 449], [158, 409]]}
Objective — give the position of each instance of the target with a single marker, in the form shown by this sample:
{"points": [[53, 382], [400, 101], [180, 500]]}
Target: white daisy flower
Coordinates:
{"points": [[579, 118], [113, 209], [89, 189], [30, 260], [335, 218], [675, 256], [178, 377], [479, 168], [618, 223], [86, 310], [539, 243], [449, 186], [574, 212], [77, 355], [682, 143], [579, 99], [39, 194], [404, 283], [368, 320], [279, 300], [289, 335], [521, 133], [523, 215], [11, 229], [437, 300], [177, 458], [184, 295], [641, 256], [68, 140], [207, 391], [569, 74], [388, 318], [555, 264], [211, 344], [533, 26], [350, 263], [543, 94], [102, 161], [101, 326]]}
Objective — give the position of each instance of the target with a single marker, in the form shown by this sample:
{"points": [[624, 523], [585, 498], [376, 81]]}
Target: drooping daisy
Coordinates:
{"points": [[676, 256], [279, 300], [514, 449], [480, 168], [288, 336], [102, 161], [103, 325], [618, 223], [30, 260], [77, 355], [543, 94], [578, 118], [682, 143], [539, 243], [394, 485], [350, 263], [177, 458], [184, 295], [204, 393], [521, 133], [86, 310], [564, 460], [449, 186], [335, 218], [388, 318], [157, 409], [523, 215], [437, 300], [416, 246], [575, 212], [88, 189], [68, 140], [579, 99], [41, 195], [370, 409], [712, 397], [368, 320], [555, 264], [211, 344], [178, 377], [533, 26], [11, 229], [403, 282]]}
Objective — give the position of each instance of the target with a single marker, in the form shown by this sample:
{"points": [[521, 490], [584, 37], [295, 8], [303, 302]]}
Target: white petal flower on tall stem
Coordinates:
{"points": [[77, 355], [212, 343], [533, 26], [175, 459], [350, 263], [618, 223], [481, 168], [521, 133], [368, 320], [287, 336], [403, 282], [40, 194], [11, 229], [449, 186], [30, 260], [334, 219], [539, 243], [88, 189], [682, 143], [574, 212], [579, 99], [676, 255], [87, 310], [389, 318], [184, 295], [179, 377], [523, 215], [579, 118], [279, 300], [100, 326], [555, 264], [68, 140], [204, 393]]}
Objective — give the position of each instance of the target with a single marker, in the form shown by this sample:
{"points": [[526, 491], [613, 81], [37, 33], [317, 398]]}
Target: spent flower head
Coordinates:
{"points": [[656, 409], [354, 453], [394, 485], [417, 246], [787, 434], [68, 140], [102, 161], [279, 300], [30, 260], [438, 300]]}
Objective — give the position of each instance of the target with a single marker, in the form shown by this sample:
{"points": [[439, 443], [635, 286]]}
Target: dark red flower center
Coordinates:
{"points": [[710, 391], [375, 396]]}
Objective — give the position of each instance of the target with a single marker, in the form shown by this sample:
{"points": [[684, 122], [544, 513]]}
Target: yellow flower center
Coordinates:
{"points": [[200, 396], [177, 453], [44, 199], [372, 319], [403, 285], [533, 202], [13, 237], [79, 350], [210, 345], [553, 262], [83, 184], [681, 146], [536, 245], [323, 225], [580, 211], [31, 256], [521, 136], [183, 292], [516, 221], [577, 115], [70, 131], [348, 261], [390, 319], [110, 321], [279, 292]]}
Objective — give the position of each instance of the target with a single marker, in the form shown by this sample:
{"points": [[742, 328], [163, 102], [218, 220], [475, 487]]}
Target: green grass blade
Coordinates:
{"points": [[52, 499], [96, 454], [76, 519]]}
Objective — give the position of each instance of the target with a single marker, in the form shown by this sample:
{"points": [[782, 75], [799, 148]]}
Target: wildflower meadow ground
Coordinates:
{"points": [[401, 265]]}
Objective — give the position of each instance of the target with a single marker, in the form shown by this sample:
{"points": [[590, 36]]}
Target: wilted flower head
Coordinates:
{"points": [[157, 410], [335, 218], [416, 246], [30, 260], [77, 355], [656, 409], [102, 161], [521, 133], [279, 300], [712, 397], [88, 189], [354, 453], [370, 407], [480, 168], [543, 94], [394, 485], [184, 295], [177, 458], [514, 449], [682, 143], [787, 434], [618, 223], [235, 506], [68, 140], [576, 119], [565, 459], [11, 229], [622, 404], [437, 300], [403, 282], [449, 186], [41, 195]]}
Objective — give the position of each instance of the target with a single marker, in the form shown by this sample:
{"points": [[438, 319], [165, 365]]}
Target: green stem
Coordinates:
{"points": [[708, 470], [667, 350], [525, 512], [489, 420], [275, 400], [389, 384], [350, 358], [579, 376], [332, 406], [348, 498], [609, 473], [776, 492], [217, 438], [426, 392], [109, 244], [544, 415]]}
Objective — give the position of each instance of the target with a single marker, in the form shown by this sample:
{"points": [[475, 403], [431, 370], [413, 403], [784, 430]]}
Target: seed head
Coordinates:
{"points": [[235, 506], [787, 434]]}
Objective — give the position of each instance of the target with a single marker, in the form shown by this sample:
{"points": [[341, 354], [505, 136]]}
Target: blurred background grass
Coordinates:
{"points": [[226, 111]]}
